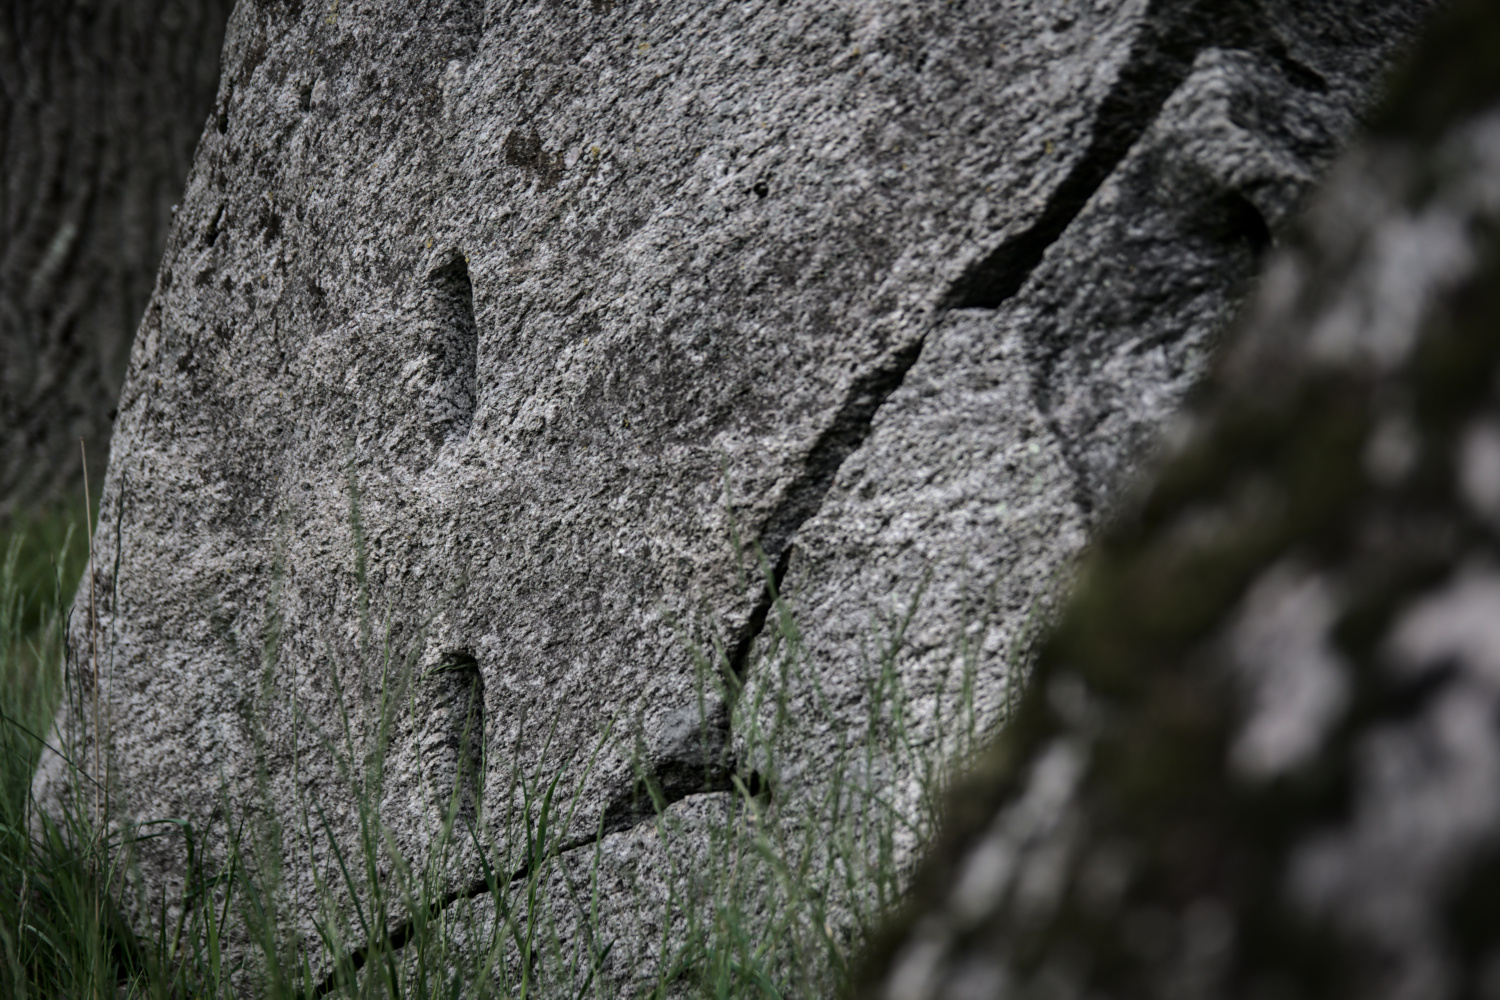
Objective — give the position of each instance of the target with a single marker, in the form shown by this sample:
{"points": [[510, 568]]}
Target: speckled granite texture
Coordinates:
{"points": [[498, 335]]}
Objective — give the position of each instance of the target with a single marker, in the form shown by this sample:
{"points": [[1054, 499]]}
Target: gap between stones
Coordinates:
{"points": [[1174, 32]]}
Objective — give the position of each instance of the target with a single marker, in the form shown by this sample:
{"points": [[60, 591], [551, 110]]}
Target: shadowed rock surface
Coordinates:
{"points": [[1260, 756], [493, 342], [101, 103]]}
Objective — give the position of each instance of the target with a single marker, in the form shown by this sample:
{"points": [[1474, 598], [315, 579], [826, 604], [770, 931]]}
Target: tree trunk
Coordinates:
{"points": [[101, 104]]}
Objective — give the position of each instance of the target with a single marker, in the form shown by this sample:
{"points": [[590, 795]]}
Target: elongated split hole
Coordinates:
{"points": [[450, 704], [450, 339]]}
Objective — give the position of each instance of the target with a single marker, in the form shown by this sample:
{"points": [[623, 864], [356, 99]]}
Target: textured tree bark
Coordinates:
{"points": [[101, 104]]}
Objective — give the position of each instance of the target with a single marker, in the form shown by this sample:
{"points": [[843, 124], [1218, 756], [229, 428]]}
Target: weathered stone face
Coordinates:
{"points": [[1261, 753], [492, 341]]}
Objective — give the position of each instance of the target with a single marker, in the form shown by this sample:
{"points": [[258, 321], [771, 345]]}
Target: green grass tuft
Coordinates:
{"points": [[739, 898]]}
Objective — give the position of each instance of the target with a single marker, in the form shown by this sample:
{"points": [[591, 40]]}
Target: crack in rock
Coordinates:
{"points": [[1173, 38], [1172, 35], [840, 439], [691, 756], [399, 935], [1157, 65]]}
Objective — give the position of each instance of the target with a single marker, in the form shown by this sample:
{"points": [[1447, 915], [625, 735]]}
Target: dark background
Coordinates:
{"points": [[101, 106]]}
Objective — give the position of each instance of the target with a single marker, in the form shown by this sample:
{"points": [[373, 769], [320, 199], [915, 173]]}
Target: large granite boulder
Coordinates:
{"points": [[101, 104], [1262, 756], [507, 359]]}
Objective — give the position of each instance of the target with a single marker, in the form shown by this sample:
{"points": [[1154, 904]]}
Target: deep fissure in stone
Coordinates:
{"points": [[1174, 33], [843, 435], [690, 756], [1172, 36], [402, 932], [739, 653]]}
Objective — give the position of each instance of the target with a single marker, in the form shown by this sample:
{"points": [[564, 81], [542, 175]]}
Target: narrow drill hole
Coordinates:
{"points": [[450, 338]]}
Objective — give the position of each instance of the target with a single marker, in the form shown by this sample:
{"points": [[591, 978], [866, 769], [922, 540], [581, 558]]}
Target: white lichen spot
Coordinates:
{"points": [[1427, 801], [1295, 683], [1409, 263], [1460, 623], [1427, 792], [57, 252], [986, 875], [1016, 835], [978, 977], [1479, 468], [1391, 451], [915, 971]]}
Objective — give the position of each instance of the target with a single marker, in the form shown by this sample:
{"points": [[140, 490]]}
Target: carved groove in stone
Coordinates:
{"points": [[450, 338]]}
